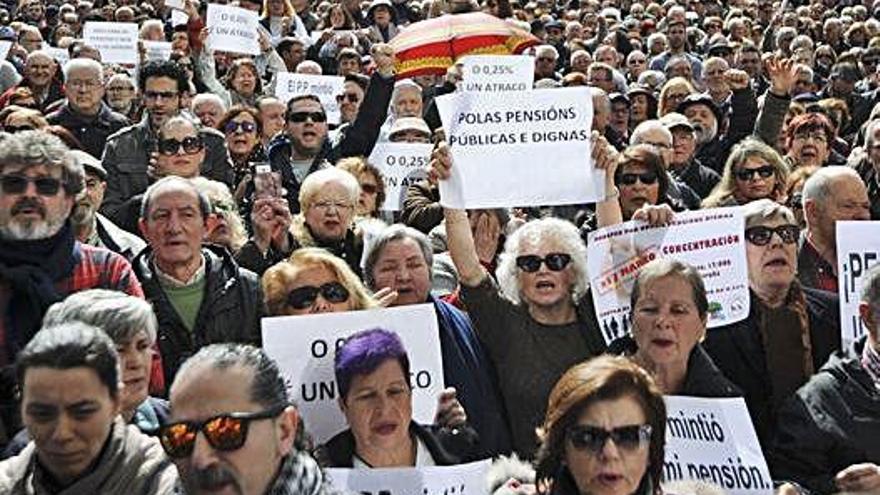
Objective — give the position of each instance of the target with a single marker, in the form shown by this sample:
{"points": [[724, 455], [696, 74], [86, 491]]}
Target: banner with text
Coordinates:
{"points": [[157, 50], [713, 440], [232, 29], [288, 85], [117, 41], [401, 164], [494, 73], [858, 249], [304, 347], [526, 151], [709, 240], [463, 479]]}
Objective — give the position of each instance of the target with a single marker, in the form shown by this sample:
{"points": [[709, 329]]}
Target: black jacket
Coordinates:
{"points": [[91, 132], [833, 422], [698, 177], [447, 447], [738, 351], [230, 311], [742, 120]]}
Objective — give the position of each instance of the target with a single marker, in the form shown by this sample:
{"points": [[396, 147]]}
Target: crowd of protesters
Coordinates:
{"points": [[152, 213]]}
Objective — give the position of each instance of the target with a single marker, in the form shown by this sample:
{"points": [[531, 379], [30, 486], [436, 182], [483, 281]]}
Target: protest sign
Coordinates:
{"points": [[157, 50], [709, 240], [463, 479], [117, 41], [232, 29], [178, 18], [494, 73], [304, 347], [713, 440], [401, 164], [525, 151], [288, 85], [61, 55], [4, 49], [174, 4], [858, 249]]}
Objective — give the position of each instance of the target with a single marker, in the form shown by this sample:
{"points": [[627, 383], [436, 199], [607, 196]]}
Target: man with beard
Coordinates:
{"points": [[233, 428], [715, 135], [41, 262], [89, 226]]}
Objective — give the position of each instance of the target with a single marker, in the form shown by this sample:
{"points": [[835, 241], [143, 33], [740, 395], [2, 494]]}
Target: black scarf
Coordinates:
{"points": [[31, 269]]}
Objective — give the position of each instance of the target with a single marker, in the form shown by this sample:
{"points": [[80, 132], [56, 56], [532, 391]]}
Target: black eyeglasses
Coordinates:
{"points": [[17, 184], [224, 432], [233, 126], [647, 178], [351, 97], [531, 263], [190, 145], [12, 129], [593, 439], [300, 117], [745, 174], [304, 297], [761, 235]]}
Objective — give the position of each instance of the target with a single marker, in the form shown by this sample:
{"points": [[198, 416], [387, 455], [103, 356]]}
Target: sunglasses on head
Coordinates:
{"points": [[761, 235], [593, 438], [224, 432], [531, 263], [17, 184], [745, 174], [245, 127], [300, 117], [304, 297], [190, 145], [647, 178]]}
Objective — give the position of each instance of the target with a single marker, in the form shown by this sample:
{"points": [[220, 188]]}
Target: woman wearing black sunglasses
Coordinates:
{"points": [[242, 127], [791, 330], [753, 171], [604, 432]]}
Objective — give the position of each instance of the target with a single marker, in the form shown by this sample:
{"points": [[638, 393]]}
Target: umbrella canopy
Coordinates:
{"points": [[432, 46]]}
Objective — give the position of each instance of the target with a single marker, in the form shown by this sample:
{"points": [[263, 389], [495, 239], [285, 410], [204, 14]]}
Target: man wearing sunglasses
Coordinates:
{"points": [[199, 293], [233, 428], [128, 152]]}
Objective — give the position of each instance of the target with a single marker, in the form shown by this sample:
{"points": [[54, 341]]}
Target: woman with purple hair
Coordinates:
{"points": [[372, 375]]}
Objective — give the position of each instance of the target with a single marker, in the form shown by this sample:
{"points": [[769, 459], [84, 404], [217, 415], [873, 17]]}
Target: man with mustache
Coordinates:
{"points": [[41, 262], [257, 451]]}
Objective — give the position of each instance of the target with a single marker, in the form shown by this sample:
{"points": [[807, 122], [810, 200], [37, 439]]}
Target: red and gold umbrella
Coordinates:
{"points": [[432, 46]]}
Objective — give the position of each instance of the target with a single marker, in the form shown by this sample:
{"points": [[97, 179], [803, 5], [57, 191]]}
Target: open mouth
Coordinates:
{"points": [[664, 343], [610, 478], [777, 263], [545, 285], [385, 428]]}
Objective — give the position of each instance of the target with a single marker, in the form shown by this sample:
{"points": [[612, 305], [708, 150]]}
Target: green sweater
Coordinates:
{"points": [[187, 301]]}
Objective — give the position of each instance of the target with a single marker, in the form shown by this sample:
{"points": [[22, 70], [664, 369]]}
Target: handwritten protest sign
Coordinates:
{"points": [[713, 440], [304, 347], [494, 73], [858, 249], [178, 18], [232, 29], [709, 240], [401, 164], [117, 41], [463, 479], [157, 50], [525, 151], [288, 85]]}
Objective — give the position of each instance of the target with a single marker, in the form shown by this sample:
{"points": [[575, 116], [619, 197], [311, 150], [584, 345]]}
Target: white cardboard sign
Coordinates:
{"points": [[495, 73], [232, 29], [401, 164], [530, 150], [157, 50], [178, 18], [462, 479], [304, 347], [713, 440], [709, 240], [289, 84], [117, 41], [175, 4], [4, 49], [858, 249]]}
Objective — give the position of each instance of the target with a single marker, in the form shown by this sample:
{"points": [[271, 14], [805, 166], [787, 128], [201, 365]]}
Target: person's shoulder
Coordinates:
{"points": [[127, 132], [211, 133]]}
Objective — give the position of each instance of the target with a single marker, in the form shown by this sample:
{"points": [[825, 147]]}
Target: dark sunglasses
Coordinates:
{"points": [[190, 145], [761, 235], [593, 439], [233, 126], [745, 174], [647, 178], [17, 184], [304, 297], [351, 97], [300, 117], [531, 263], [224, 432], [12, 129]]}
